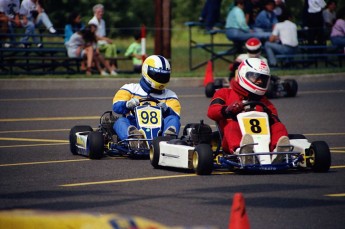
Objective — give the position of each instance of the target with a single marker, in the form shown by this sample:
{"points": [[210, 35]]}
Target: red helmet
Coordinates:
{"points": [[253, 46]]}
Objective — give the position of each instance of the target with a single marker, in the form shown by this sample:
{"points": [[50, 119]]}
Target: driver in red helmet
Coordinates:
{"points": [[251, 84], [253, 47]]}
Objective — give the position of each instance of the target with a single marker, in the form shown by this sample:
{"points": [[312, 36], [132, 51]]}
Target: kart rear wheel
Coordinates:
{"points": [[203, 159], [210, 89], [155, 151], [95, 145], [291, 87], [319, 156], [73, 139]]}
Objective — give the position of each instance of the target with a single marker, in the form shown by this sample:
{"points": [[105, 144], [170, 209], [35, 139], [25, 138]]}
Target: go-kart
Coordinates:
{"points": [[199, 148], [277, 88], [103, 141]]}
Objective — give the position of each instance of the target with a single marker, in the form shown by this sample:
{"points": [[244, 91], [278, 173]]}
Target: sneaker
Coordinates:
{"points": [[171, 131], [134, 133], [7, 45], [104, 73], [113, 73], [21, 46], [283, 145], [52, 30], [39, 45], [248, 147]]}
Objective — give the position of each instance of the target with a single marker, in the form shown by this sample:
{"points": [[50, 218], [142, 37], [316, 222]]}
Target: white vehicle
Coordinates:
{"points": [[199, 148]]}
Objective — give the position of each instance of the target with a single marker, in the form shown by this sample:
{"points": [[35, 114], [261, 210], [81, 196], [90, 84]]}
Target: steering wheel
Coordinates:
{"points": [[252, 105], [149, 99]]}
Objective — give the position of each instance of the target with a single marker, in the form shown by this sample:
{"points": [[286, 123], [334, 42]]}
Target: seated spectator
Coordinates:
{"points": [[9, 19], [236, 26], [266, 19], [210, 13], [83, 44], [134, 51], [74, 25], [283, 39], [329, 16], [338, 30], [251, 10], [105, 44], [33, 16]]}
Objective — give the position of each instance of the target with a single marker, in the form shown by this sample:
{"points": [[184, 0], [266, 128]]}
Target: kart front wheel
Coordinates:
{"points": [[210, 89], [203, 159], [95, 145], [155, 151], [319, 156], [73, 138]]}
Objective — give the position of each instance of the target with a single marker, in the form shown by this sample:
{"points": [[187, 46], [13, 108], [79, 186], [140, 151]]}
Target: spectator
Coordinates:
{"points": [[266, 19], [314, 21], [155, 77], [134, 51], [283, 39], [82, 44], [236, 26], [211, 13], [106, 45], [338, 30], [74, 25], [9, 18], [279, 7], [33, 16], [329, 16]]}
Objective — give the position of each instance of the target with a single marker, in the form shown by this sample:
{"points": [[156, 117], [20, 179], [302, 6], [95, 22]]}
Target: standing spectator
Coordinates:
{"points": [[266, 19], [314, 21], [283, 39], [83, 44], [9, 18], [134, 51], [329, 16], [338, 30], [74, 25], [237, 28], [211, 13], [33, 16], [106, 45]]}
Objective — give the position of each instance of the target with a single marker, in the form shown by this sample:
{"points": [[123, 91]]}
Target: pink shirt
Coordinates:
{"points": [[338, 29]]}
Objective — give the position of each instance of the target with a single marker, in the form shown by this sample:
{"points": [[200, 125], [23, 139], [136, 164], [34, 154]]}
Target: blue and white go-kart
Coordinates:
{"points": [[199, 148], [103, 141]]}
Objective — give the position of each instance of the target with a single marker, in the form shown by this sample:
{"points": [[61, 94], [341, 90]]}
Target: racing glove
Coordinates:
{"points": [[163, 106], [130, 104], [234, 108]]}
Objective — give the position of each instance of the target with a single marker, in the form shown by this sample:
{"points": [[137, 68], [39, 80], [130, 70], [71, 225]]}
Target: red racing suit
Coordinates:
{"points": [[228, 124]]}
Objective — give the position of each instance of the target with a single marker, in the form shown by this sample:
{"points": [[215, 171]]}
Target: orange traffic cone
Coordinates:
{"points": [[208, 73], [238, 215]]}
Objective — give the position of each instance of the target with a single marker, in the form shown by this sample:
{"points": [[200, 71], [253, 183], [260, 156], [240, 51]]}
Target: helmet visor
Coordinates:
{"points": [[260, 80], [158, 75]]}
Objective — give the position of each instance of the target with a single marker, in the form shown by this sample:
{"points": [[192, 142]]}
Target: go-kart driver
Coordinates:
{"points": [[253, 47], [155, 77], [251, 83]]}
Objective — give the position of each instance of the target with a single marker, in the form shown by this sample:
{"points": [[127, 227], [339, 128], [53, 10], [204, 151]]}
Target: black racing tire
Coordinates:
{"points": [[73, 139], [291, 87], [155, 151], [210, 89], [319, 157], [296, 136], [203, 159], [95, 145], [218, 83]]}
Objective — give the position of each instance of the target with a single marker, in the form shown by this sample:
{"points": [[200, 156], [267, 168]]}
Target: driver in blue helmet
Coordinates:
{"points": [[155, 77]]}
